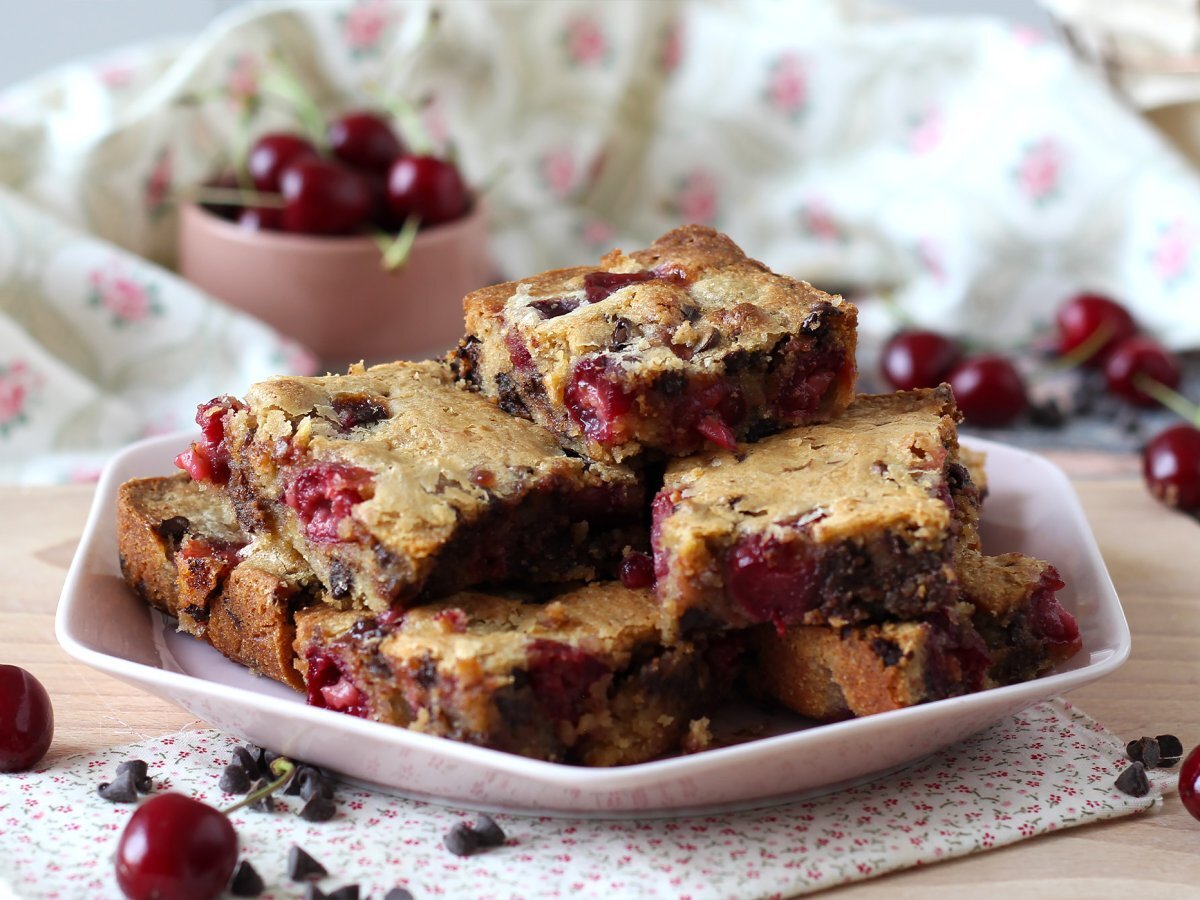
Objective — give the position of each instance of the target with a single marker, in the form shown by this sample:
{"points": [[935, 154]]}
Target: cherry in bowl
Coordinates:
{"points": [[26, 720], [429, 188]]}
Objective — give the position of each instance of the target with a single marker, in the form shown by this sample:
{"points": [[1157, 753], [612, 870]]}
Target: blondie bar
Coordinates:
{"points": [[666, 349], [583, 677], [396, 484], [851, 521]]}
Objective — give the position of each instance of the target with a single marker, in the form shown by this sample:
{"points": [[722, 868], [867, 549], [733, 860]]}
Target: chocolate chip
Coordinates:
{"points": [[318, 809], [888, 651], [461, 840], [301, 866], [341, 579], [398, 893], [1133, 781], [1170, 749], [265, 758], [1144, 750], [234, 780], [293, 786], [345, 892], [1047, 415], [247, 758], [262, 804], [487, 832], [172, 530], [316, 784], [246, 881], [141, 780], [120, 790]]}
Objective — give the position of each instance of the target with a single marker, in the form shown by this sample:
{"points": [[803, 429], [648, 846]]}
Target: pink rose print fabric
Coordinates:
{"points": [[1046, 769]]}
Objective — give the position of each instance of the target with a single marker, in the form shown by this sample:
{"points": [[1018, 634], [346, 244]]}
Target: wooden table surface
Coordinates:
{"points": [[1152, 554]]}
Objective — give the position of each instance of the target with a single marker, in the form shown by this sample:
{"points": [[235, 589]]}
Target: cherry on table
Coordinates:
{"points": [[271, 154], [918, 359], [365, 141], [175, 846], [1081, 317], [1189, 783], [988, 389], [428, 187], [1140, 356], [1171, 467], [26, 720], [322, 197]]}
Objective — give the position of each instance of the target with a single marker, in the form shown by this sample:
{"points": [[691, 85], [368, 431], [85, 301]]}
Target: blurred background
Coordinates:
{"points": [[1018, 186]]}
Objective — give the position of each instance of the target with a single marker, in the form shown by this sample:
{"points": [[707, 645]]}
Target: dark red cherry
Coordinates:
{"points": [[26, 720], [988, 389], [918, 359], [1189, 783], [271, 154], [1136, 356], [365, 141], [260, 218], [1171, 467], [427, 187], [1083, 316], [323, 198], [174, 846], [637, 570]]}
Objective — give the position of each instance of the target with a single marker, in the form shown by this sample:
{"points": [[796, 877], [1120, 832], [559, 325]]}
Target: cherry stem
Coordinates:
{"points": [[219, 196], [1168, 397], [396, 249], [280, 767], [1094, 344], [283, 83]]}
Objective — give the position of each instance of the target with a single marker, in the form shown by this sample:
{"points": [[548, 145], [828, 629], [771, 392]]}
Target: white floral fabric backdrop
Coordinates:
{"points": [[972, 170]]}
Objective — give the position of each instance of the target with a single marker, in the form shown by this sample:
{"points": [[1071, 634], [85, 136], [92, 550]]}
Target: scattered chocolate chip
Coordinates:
{"points": [[1047, 415], [315, 783], [265, 758], [247, 758], [1170, 749], [345, 892], [1133, 781], [262, 804], [488, 833], [246, 881], [461, 840], [1144, 750], [398, 893], [120, 790], [301, 866], [141, 780], [318, 808], [234, 780], [293, 786], [312, 892]]}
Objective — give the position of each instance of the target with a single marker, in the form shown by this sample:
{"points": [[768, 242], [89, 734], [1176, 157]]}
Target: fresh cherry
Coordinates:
{"points": [[365, 141], [988, 389], [427, 187], [1081, 318], [1189, 783], [1136, 356], [1171, 467], [260, 218], [919, 359], [26, 720], [323, 198], [271, 154], [175, 846]]}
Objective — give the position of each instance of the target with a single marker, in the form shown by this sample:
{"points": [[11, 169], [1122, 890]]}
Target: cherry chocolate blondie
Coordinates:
{"points": [[583, 677], [666, 349], [395, 484], [841, 523]]}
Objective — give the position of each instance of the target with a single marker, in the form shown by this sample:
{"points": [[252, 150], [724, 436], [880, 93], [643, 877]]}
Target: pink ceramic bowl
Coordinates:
{"points": [[333, 294]]}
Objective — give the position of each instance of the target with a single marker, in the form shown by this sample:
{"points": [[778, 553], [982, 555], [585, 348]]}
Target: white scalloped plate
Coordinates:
{"points": [[1031, 508]]}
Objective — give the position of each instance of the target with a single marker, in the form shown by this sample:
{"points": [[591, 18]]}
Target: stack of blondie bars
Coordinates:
{"points": [[632, 491]]}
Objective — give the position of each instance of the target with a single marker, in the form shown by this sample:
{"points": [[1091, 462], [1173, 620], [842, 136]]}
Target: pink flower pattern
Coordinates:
{"points": [[670, 53], [558, 172], [697, 198], [916, 816], [926, 133], [17, 383], [126, 300], [1039, 171], [364, 25], [929, 257], [585, 42], [597, 233], [156, 189], [241, 83], [818, 222], [1172, 254], [787, 89]]}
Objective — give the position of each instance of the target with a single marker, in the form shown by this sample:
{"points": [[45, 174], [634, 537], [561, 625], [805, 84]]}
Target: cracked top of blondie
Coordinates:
{"points": [[687, 302], [881, 465]]}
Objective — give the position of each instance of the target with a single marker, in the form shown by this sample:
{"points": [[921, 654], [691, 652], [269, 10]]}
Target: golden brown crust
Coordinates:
{"points": [[713, 309]]}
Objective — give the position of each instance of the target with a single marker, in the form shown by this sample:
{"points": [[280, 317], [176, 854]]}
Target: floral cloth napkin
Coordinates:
{"points": [[1047, 768], [973, 171]]}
